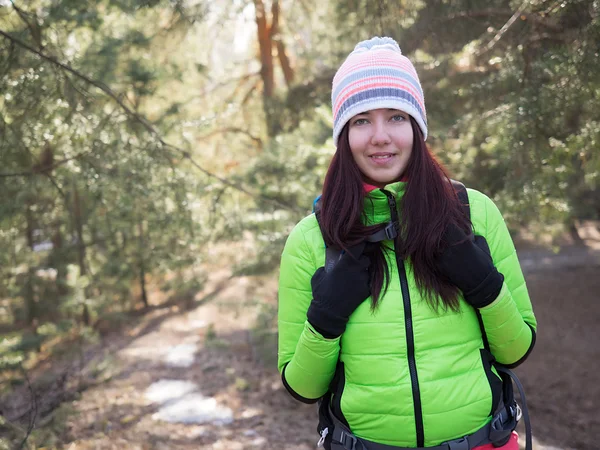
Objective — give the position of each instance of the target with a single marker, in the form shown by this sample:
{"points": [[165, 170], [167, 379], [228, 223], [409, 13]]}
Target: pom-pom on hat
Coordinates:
{"points": [[376, 75]]}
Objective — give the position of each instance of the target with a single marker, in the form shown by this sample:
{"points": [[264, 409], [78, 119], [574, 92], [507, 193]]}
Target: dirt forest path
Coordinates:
{"points": [[205, 377]]}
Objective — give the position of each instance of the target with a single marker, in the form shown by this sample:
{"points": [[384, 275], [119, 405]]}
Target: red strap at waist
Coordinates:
{"points": [[512, 444]]}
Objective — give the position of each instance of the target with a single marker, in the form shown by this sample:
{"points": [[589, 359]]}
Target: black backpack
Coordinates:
{"points": [[507, 414]]}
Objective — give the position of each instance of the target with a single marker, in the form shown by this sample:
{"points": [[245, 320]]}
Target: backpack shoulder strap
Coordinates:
{"points": [[463, 197], [317, 206], [332, 255]]}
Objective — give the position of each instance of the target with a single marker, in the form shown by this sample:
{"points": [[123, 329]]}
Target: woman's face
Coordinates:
{"points": [[381, 141]]}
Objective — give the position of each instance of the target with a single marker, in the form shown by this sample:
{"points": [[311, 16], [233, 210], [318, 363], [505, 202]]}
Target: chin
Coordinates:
{"points": [[386, 180], [381, 183]]}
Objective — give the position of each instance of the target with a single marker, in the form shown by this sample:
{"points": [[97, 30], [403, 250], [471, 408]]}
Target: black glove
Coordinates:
{"points": [[338, 293], [467, 263]]}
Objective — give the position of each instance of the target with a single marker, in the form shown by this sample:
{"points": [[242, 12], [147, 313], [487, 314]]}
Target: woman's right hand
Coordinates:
{"points": [[338, 293]]}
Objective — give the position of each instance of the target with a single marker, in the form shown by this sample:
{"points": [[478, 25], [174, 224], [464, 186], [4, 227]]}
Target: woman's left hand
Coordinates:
{"points": [[466, 262]]}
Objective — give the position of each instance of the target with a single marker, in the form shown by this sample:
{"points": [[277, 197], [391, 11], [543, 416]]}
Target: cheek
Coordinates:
{"points": [[353, 139], [358, 142], [405, 141]]}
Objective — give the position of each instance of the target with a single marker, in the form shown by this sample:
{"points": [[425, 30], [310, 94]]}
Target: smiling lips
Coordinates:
{"points": [[381, 157]]}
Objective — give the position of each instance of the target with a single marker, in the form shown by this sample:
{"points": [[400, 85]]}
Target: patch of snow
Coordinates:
{"points": [[182, 403], [194, 408], [197, 324], [251, 412], [259, 442], [165, 390], [181, 355]]}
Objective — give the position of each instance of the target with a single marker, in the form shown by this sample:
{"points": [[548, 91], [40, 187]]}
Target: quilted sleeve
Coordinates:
{"points": [[509, 321], [306, 360]]}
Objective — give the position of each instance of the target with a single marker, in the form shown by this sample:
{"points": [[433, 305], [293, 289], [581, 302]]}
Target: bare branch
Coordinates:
{"points": [[7, 423], [504, 28], [34, 28], [533, 18], [58, 188], [241, 79], [249, 93], [258, 141]]}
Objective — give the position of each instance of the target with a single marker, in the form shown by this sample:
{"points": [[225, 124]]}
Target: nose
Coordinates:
{"points": [[380, 134]]}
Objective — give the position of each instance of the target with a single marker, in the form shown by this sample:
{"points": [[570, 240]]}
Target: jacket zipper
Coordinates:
{"points": [[410, 338]]}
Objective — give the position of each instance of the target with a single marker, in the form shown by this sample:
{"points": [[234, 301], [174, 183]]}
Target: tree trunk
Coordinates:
{"points": [[266, 47], [29, 291], [29, 294], [288, 72], [77, 215], [57, 261], [29, 226], [143, 285], [123, 241], [277, 41], [142, 265], [574, 233], [79, 231]]}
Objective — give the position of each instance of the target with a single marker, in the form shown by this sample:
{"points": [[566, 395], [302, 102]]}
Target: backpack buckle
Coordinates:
{"points": [[516, 411], [458, 444], [324, 434], [388, 233], [348, 441], [391, 230]]}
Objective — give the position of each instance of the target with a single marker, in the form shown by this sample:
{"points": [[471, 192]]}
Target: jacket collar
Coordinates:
{"points": [[376, 207]]}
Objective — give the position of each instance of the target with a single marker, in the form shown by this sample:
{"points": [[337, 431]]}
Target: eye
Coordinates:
{"points": [[398, 118], [360, 121]]}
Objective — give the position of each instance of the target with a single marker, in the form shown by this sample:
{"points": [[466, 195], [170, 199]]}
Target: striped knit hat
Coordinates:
{"points": [[376, 75]]}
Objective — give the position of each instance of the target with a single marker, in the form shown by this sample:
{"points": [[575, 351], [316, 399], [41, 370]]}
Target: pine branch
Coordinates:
{"points": [[138, 118], [47, 169], [43, 169]]}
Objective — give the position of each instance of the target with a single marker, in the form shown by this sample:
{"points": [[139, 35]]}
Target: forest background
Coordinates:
{"points": [[148, 145]]}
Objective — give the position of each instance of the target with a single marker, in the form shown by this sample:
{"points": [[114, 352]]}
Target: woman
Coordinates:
{"points": [[401, 337]]}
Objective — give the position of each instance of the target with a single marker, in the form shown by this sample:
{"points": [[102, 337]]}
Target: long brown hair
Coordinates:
{"points": [[428, 206]]}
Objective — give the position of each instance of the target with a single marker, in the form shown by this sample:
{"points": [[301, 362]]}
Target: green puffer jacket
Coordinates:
{"points": [[407, 376]]}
